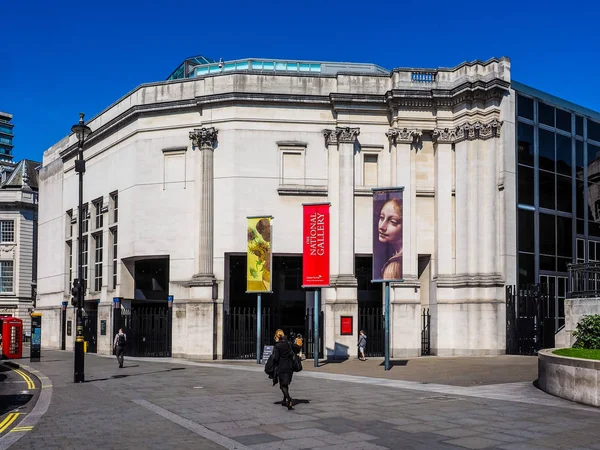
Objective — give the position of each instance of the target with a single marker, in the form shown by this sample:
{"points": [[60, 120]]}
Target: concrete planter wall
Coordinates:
{"points": [[573, 379]]}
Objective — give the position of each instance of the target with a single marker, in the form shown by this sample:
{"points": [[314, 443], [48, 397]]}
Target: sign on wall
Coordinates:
{"points": [[387, 234], [315, 245], [259, 257]]}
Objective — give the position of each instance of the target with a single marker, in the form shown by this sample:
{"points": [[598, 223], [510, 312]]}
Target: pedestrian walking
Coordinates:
{"points": [[119, 344], [362, 343], [282, 364]]}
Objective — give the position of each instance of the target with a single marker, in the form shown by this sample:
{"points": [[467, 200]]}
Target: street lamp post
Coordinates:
{"points": [[82, 131]]}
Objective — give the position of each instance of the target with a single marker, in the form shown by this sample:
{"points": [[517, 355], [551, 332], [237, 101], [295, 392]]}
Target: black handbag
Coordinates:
{"points": [[296, 363]]}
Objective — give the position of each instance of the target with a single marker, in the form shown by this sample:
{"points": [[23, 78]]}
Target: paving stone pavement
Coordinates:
{"points": [[180, 404]]}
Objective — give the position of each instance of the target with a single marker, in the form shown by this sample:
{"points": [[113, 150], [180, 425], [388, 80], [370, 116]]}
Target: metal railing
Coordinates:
{"points": [[584, 280]]}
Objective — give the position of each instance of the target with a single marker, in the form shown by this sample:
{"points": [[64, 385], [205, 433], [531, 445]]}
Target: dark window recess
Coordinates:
{"points": [[594, 229], [563, 120], [547, 234], [593, 204], [593, 163], [592, 251], [525, 107], [593, 130], [579, 126], [561, 264], [579, 159], [526, 185], [579, 199], [526, 231], [580, 227], [547, 189], [564, 151], [548, 263], [580, 248], [526, 268], [545, 114], [546, 154], [564, 236], [525, 145], [564, 199]]}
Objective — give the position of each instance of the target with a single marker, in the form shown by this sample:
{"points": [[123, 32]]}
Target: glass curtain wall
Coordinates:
{"points": [[558, 172]]}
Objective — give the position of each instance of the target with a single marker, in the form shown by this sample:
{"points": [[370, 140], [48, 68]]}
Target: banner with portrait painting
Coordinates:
{"points": [[315, 245], [259, 257], [387, 234]]}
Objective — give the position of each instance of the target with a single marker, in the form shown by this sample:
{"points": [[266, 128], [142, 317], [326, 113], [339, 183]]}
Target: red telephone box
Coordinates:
{"points": [[12, 337]]}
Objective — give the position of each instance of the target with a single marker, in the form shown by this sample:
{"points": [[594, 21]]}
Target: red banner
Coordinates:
{"points": [[315, 245]]}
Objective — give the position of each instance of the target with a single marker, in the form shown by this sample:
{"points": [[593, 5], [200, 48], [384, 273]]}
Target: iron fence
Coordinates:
{"points": [[309, 337], [239, 338], [148, 330], [371, 320], [584, 280], [425, 333]]}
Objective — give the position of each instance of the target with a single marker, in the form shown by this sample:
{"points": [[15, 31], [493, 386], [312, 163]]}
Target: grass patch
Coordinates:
{"points": [[578, 353]]}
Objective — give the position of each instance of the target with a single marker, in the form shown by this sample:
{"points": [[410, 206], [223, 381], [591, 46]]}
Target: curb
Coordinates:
{"points": [[40, 408]]}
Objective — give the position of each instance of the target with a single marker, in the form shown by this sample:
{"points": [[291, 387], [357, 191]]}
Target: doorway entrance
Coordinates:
{"points": [[147, 318], [90, 325]]}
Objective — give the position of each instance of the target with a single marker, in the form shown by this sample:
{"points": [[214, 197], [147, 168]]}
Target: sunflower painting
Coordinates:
{"points": [[259, 255]]}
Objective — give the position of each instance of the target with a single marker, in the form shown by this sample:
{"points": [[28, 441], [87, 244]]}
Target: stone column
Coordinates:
{"points": [[346, 138], [405, 328], [205, 139], [194, 318], [341, 299]]}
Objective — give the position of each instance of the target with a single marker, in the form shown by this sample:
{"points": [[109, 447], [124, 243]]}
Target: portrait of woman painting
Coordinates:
{"points": [[387, 235]]}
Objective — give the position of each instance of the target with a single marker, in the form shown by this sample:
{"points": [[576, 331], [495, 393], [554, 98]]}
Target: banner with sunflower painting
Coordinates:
{"points": [[260, 259]]}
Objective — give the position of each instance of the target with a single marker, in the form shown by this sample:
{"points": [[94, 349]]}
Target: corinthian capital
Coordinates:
{"points": [[347, 134], [204, 137], [330, 137], [444, 135], [403, 135]]}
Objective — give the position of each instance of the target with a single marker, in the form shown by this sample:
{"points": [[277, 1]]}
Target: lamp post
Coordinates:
{"points": [[82, 131]]}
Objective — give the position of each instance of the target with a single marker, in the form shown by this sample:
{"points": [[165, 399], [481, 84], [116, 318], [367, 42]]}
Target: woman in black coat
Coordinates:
{"points": [[282, 361]]}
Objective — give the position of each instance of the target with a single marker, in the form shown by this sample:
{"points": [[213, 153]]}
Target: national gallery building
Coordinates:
{"points": [[501, 187]]}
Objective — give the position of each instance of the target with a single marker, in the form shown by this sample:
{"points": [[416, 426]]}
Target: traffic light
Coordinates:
{"points": [[75, 292]]}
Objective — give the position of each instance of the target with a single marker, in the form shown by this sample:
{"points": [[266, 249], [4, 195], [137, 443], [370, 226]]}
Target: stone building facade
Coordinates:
{"points": [[18, 239], [175, 167]]}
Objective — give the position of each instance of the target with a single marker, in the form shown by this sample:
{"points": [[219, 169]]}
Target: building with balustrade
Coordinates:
{"points": [[175, 167]]}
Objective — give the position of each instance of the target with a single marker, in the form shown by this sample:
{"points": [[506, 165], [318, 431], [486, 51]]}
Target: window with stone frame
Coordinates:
{"points": [[114, 207], [6, 276], [98, 248], [115, 261], [98, 216], [84, 260], [69, 224], [85, 216], [7, 231], [69, 256]]}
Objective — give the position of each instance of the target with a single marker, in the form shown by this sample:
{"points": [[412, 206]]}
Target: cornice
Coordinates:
{"points": [[470, 280]]}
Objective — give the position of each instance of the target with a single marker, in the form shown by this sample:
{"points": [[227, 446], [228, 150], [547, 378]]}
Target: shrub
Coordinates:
{"points": [[588, 332]]}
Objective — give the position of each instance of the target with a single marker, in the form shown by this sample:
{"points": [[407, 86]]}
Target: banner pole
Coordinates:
{"points": [[258, 326], [387, 325], [316, 314]]}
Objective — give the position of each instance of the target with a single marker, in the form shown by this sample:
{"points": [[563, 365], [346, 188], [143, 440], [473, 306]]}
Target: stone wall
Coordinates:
{"points": [[573, 379]]}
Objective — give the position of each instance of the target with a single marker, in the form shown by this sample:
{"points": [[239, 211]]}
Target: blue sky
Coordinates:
{"points": [[60, 58]]}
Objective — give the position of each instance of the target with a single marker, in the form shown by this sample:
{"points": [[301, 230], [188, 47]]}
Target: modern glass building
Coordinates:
{"points": [[6, 136], [558, 192]]}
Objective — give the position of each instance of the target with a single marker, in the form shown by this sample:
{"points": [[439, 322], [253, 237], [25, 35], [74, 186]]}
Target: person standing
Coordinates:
{"points": [[119, 344], [362, 343], [282, 360]]}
